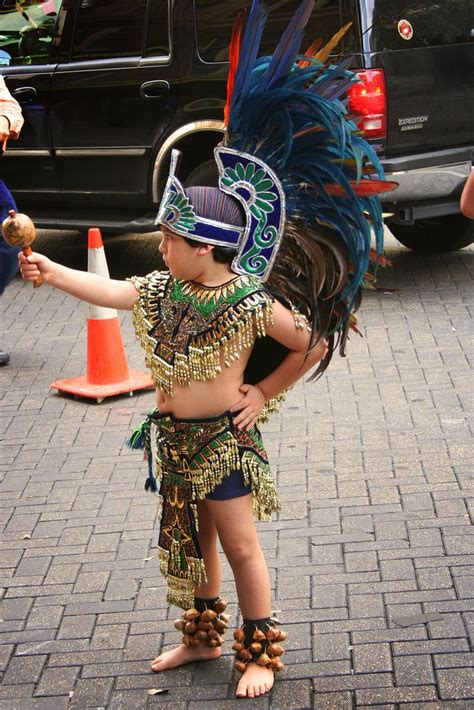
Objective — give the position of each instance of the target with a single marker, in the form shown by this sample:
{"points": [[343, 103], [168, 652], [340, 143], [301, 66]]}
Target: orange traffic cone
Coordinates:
{"points": [[107, 370]]}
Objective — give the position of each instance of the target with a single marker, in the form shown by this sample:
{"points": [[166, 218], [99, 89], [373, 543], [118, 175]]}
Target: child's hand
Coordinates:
{"points": [[249, 407], [34, 265]]}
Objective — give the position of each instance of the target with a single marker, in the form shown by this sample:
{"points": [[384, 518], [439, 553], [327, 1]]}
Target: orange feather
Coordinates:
{"points": [[310, 52], [234, 52], [364, 188], [381, 260], [324, 53], [305, 131]]}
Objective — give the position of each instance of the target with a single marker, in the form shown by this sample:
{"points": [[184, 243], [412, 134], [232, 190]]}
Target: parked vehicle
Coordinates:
{"points": [[109, 87]]}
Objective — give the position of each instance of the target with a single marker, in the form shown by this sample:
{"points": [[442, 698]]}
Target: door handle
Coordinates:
{"points": [[24, 93], [154, 89]]}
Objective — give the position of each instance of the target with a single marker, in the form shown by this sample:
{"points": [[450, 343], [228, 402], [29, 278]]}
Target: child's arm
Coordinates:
{"points": [[92, 288], [296, 364]]}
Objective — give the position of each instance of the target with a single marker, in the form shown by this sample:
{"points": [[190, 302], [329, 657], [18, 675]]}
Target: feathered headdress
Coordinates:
{"points": [[306, 178]]}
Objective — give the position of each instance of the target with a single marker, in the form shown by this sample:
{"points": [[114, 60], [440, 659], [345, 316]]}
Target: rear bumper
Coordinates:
{"points": [[429, 185]]}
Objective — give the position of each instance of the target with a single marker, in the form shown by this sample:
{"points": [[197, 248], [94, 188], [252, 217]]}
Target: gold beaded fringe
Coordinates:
{"points": [[264, 496], [272, 406], [212, 465], [228, 335], [181, 589]]}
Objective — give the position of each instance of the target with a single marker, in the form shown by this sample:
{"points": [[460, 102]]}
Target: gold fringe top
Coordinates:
{"points": [[187, 330]]}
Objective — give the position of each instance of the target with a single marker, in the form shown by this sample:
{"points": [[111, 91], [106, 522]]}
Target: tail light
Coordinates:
{"points": [[368, 103]]}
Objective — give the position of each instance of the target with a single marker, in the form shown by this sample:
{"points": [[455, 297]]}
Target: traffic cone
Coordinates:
{"points": [[107, 370]]}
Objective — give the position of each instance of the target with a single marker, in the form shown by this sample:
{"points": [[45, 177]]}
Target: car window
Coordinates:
{"points": [[214, 22], [158, 44], [417, 23], [109, 28], [27, 30]]}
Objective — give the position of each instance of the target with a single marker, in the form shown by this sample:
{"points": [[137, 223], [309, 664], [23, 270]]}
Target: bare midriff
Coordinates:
{"points": [[209, 398]]}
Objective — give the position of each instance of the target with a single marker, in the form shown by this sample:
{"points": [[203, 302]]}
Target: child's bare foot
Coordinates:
{"points": [[257, 680], [181, 655]]}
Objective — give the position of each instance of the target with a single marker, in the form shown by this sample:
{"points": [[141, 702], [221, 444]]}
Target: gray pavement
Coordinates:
{"points": [[371, 557]]}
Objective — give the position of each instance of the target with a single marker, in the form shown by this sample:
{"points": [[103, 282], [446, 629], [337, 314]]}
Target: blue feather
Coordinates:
{"points": [[248, 54], [277, 104], [288, 47]]}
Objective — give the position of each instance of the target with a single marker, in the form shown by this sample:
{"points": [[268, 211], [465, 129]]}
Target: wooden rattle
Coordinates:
{"points": [[19, 231]]}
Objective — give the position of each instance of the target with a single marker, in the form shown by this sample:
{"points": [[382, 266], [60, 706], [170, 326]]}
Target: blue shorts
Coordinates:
{"points": [[232, 486]]}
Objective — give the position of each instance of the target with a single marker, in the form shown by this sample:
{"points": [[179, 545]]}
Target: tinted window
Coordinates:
{"points": [[425, 24], [27, 30], [158, 34], [214, 22], [109, 28]]}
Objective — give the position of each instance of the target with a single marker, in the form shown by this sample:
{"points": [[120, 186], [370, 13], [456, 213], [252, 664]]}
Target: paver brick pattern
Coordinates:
{"points": [[373, 464]]}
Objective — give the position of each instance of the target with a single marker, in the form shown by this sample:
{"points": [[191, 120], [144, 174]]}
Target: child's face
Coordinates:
{"points": [[180, 258]]}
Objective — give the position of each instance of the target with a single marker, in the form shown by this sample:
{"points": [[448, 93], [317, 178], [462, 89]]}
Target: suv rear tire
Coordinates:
{"points": [[437, 234], [205, 174]]}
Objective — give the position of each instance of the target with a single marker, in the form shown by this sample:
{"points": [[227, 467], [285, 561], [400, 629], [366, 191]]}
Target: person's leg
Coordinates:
{"points": [[208, 542], [8, 269], [235, 525]]}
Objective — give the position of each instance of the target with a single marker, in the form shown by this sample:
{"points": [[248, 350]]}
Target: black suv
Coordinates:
{"points": [[108, 87]]}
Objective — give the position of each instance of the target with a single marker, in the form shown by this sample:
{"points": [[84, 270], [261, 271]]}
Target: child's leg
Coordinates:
{"points": [[208, 542], [235, 525]]}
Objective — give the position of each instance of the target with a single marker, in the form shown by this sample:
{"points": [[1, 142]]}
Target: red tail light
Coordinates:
{"points": [[368, 103]]}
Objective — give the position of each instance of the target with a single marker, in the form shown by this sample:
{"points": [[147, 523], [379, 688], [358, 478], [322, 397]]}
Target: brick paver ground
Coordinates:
{"points": [[370, 558]]}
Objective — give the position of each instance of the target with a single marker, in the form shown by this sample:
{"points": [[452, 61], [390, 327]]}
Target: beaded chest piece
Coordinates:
{"points": [[189, 331]]}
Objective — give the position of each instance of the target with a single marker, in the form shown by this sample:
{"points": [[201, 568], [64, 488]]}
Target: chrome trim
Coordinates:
{"points": [[36, 190], [161, 59], [22, 153], [23, 70], [427, 183], [170, 142], [77, 65], [99, 152]]}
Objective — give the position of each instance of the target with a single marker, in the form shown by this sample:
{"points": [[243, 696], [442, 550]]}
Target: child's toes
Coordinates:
{"points": [[242, 691]]}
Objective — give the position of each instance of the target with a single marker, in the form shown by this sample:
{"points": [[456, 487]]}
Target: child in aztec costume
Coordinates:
{"points": [[265, 270]]}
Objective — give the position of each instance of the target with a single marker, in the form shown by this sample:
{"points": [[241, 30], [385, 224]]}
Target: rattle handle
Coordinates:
{"points": [[27, 251]]}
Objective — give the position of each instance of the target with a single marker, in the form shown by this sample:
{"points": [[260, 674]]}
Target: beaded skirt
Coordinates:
{"points": [[192, 457]]}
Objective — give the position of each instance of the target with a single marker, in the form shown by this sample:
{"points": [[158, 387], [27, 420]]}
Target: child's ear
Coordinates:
{"points": [[205, 249]]}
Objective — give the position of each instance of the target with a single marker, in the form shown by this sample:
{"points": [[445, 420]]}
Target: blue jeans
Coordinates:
{"points": [[8, 254]]}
